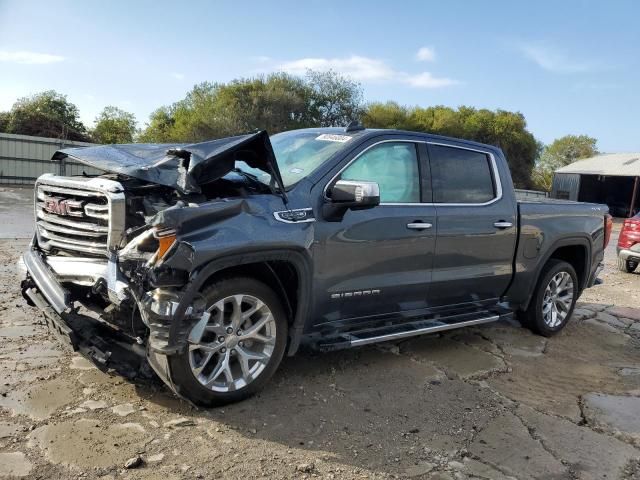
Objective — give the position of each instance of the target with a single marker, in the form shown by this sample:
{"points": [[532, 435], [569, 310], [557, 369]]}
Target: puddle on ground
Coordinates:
{"points": [[41, 400], [89, 443]]}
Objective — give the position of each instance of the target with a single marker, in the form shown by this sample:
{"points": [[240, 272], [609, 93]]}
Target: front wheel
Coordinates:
{"points": [[627, 266], [554, 298], [237, 345]]}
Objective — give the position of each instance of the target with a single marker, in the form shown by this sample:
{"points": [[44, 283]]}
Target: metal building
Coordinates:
{"points": [[24, 158], [612, 179]]}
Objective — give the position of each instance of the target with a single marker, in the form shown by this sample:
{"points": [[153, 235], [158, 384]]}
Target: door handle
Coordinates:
{"points": [[503, 224], [419, 225]]}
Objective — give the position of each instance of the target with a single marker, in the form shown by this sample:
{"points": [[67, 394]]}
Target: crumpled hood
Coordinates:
{"points": [[181, 166]]}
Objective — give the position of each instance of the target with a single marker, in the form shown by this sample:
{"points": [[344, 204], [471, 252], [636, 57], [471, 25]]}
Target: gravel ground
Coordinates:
{"points": [[492, 402]]}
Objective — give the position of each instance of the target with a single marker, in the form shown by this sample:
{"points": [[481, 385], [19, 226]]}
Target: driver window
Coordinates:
{"points": [[394, 165]]}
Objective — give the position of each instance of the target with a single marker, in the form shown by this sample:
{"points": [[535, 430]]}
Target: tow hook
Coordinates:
{"points": [[25, 285]]}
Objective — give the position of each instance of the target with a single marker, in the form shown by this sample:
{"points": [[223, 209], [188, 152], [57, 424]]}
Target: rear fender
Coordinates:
{"points": [[578, 241]]}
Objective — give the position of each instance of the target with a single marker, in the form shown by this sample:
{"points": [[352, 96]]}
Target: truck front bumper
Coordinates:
{"points": [[43, 288], [42, 278]]}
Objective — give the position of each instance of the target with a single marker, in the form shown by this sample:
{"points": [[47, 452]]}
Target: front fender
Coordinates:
{"points": [[174, 338]]}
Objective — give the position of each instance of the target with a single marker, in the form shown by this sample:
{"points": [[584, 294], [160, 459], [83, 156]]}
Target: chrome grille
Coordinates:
{"points": [[75, 214]]}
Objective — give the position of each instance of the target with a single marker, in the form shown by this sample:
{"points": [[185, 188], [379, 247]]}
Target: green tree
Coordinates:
{"points": [[542, 176], [274, 103], [210, 110], [507, 130], [568, 149], [387, 115], [46, 114], [561, 152], [114, 125], [335, 99], [4, 122], [160, 126], [198, 116]]}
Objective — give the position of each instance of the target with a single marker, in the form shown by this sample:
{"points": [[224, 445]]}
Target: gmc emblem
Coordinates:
{"points": [[65, 207]]}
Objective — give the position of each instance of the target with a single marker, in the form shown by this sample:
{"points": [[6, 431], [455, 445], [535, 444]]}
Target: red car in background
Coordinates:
{"points": [[629, 245]]}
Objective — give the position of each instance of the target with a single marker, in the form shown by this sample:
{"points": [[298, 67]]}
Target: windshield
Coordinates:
{"points": [[299, 153]]}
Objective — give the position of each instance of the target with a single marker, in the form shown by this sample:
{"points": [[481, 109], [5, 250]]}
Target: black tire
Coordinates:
{"points": [[184, 378], [626, 266], [533, 318]]}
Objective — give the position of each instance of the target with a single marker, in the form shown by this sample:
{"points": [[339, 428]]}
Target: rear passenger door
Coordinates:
{"points": [[476, 226]]}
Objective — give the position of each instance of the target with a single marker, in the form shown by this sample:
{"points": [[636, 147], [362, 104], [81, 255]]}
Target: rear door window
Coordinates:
{"points": [[461, 176]]}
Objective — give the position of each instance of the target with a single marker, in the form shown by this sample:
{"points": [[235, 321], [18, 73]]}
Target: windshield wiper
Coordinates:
{"points": [[273, 186], [249, 176]]}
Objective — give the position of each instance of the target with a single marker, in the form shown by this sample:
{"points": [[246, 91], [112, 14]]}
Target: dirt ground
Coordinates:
{"points": [[492, 402]]}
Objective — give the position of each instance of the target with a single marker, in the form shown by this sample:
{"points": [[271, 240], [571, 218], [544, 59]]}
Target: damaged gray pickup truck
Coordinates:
{"points": [[214, 260]]}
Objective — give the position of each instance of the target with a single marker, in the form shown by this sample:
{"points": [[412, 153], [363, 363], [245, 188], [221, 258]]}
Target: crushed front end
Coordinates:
{"points": [[94, 267], [115, 261]]}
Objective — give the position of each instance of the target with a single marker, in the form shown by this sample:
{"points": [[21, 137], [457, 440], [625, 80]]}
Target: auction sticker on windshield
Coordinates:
{"points": [[328, 137]]}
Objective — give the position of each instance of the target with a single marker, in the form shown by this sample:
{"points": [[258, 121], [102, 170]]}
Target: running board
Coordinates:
{"points": [[405, 330], [432, 327]]}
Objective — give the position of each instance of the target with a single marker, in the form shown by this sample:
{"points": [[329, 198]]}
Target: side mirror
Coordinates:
{"points": [[355, 194]]}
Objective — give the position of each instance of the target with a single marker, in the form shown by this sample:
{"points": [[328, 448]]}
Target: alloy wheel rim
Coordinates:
{"points": [[558, 297], [231, 345]]}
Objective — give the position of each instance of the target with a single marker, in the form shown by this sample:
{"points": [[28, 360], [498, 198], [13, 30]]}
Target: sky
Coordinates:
{"points": [[571, 67]]}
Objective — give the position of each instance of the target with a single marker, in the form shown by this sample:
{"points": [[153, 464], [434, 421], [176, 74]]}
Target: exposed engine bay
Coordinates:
{"points": [[142, 245], [101, 241]]}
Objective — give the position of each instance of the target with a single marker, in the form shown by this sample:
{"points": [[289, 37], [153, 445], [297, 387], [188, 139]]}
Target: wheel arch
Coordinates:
{"points": [[577, 257], [574, 250], [272, 267]]}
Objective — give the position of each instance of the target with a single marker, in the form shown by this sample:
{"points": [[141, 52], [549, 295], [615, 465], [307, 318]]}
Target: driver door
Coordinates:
{"points": [[377, 261]]}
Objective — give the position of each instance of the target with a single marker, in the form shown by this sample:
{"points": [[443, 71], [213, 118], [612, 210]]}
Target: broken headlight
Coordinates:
{"points": [[166, 238]]}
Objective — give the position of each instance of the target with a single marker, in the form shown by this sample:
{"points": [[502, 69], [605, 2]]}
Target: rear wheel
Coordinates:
{"points": [[554, 298], [237, 345], [627, 266]]}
